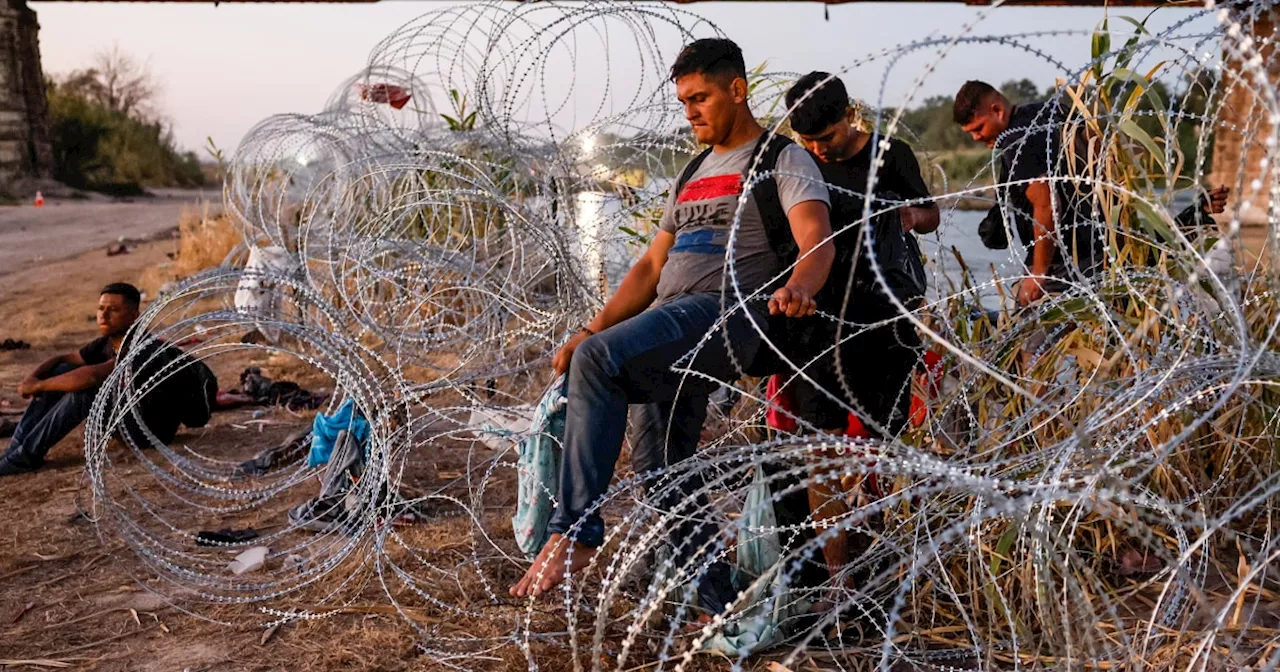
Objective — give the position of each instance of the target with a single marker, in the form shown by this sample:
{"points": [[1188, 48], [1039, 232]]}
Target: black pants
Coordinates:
{"points": [[866, 370]]}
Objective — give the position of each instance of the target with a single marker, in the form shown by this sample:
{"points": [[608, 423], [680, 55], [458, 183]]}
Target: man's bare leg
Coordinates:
{"points": [[826, 506], [548, 569]]}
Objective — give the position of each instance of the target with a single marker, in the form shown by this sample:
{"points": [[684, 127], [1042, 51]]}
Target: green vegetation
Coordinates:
{"points": [[105, 138], [940, 142]]}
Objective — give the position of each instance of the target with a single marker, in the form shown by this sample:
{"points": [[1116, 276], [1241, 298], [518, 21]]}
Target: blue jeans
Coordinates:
{"points": [[630, 363], [50, 417]]}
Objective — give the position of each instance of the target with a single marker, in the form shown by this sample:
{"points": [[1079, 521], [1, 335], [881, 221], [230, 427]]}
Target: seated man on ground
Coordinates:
{"points": [[673, 297], [62, 389]]}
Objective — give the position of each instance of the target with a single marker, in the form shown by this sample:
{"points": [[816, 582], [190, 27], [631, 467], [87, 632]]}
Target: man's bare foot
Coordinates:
{"points": [[702, 621], [548, 569]]}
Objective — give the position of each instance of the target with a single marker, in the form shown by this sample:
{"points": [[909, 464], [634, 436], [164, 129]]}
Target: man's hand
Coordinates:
{"points": [[908, 219], [1029, 291], [565, 354], [921, 220], [29, 387], [792, 302], [1216, 203]]}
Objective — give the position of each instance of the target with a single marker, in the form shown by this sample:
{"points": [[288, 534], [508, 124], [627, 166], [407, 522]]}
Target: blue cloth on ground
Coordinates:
{"points": [[759, 617], [324, 431], [538, 469]]}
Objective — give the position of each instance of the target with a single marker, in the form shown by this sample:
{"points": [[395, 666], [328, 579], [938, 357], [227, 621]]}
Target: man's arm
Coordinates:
{"points": [[46, 370], [1042, 253], [1197, 214], [638, 289], [906, 179], [82, 378], [46, 367], [811, 227]]}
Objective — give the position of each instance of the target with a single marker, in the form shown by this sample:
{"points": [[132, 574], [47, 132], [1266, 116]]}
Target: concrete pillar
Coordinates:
{"points": [[26, 145], [1237, 152]]}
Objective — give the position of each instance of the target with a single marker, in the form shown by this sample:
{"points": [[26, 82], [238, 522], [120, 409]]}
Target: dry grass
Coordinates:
{"points": [[205, 238], [204, 241]]}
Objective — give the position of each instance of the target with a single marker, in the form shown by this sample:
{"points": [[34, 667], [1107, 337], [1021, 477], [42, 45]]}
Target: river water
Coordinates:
{"points": [[602, 243]]}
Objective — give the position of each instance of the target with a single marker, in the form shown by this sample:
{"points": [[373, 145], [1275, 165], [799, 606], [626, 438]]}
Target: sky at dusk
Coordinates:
{"points": [[225, 68]]}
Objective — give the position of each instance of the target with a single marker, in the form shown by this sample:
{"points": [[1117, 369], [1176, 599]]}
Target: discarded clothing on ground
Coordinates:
{"points": [[325, 430], [225, 536], [284, 452], [330, 509], [260, 292], [767, 604], [498, 427], [538, 469], [269, 392]]}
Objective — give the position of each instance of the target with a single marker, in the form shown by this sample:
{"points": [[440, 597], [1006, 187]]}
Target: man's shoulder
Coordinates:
{"points": [[101, 344], [796, 157], [1034, 120], [897, 144], [1035, 112]]}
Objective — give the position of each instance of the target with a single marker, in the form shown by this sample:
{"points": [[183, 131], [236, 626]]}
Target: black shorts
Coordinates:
{"points": [[872, 376]]}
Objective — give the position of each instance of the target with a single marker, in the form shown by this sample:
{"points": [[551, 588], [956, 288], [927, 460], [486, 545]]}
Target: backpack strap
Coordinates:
{"points": [[689, 169], [764, 158]]}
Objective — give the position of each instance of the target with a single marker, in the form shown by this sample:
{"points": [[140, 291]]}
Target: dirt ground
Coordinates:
{"points": [[31, 236], [71, 599]]}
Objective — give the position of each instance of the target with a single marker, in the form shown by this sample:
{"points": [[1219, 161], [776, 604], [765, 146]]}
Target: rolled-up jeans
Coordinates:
{"points": [[630, 363]]}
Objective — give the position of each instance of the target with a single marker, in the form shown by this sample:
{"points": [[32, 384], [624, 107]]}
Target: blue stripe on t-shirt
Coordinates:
{"points": [[698, 242]]}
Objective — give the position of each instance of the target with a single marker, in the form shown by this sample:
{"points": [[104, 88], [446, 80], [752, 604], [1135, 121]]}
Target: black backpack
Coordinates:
{"points": [[900, 260], [200, 392], [188, 390]]}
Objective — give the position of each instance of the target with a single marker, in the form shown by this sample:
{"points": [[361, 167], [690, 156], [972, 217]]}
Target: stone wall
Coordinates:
{"points": [[26, 148]]}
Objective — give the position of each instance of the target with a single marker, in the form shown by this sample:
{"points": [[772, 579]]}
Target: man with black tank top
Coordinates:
{"points": [[667, 304], [1065, 242]]}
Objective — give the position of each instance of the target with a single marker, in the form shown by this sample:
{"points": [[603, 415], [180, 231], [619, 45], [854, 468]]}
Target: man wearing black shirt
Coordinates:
{"points": [[1065, 242], [845, 152], [864, 368], [62, 388]]}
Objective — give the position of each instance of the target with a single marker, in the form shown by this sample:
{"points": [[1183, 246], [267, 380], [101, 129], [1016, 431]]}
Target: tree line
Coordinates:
{"points": [[108, 135]]}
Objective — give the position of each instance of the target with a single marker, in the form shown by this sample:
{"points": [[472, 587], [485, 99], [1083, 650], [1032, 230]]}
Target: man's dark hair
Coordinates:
{"points": [[823, 101], [131, 295], [712, 57], [969, 99]]}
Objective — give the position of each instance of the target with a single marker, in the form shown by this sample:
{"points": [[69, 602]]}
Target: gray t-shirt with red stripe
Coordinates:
{"points": [[701, 215]]}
